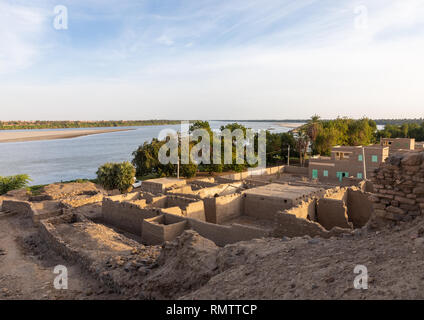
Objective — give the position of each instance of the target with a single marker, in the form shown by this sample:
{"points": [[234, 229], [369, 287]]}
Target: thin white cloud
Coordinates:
{"points": [[165, 40], [21, 28], [321, 64]]}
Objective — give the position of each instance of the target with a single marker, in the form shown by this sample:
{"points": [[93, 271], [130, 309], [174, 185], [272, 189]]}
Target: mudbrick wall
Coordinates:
{"points": [[399, 188]]}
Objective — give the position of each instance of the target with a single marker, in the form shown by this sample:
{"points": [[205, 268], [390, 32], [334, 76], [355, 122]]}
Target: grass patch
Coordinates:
{"points": [[36, 190]]}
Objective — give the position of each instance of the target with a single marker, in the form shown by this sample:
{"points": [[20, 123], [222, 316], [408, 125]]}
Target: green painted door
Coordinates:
{"points": [[340, 175], [314, 174]]}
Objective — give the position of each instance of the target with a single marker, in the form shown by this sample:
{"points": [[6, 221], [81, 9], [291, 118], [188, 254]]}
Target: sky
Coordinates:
{"points": [[204, 59]]}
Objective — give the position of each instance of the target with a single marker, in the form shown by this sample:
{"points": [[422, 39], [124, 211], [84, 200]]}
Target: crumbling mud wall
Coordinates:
{"points": [[306, 210], [126, 215], [222, 209], [332, 213], [162, 228], [296, 170], [359, 207], [398, 189], [18, 206], [195, 210], [36, 211], [121, 264], [259, 207], [83, 200], [340, 207], [288, 225], [222, 235]]}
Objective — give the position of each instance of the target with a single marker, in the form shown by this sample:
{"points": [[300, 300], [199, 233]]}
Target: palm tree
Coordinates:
{"points": [[312, 128], [302, 142]]}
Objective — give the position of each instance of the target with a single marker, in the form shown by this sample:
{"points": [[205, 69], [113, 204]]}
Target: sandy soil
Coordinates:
{"points": [[31, 135], [293, 125], [305, 268], [26, 267]]}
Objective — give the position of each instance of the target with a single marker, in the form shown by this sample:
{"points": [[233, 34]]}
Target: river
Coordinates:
{"points": [[51, 161]]}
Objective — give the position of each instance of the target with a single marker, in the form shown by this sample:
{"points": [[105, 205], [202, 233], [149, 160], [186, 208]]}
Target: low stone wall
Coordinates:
{"points": [[399, 188]]}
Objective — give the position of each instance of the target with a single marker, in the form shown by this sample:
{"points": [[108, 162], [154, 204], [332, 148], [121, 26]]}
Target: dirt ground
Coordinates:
{"points": [[305, 268], [26, 267]]}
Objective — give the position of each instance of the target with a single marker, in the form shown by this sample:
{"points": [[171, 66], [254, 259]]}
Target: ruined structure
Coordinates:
{"points": [[399, 188], [161, 241]]}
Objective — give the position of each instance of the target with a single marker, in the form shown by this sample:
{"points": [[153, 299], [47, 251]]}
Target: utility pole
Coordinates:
{"points": [[178, 168], [288, 156], [365, 166], [178, 163]]}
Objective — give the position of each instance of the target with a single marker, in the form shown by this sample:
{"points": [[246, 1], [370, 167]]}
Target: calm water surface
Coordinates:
{"points": [[51, 161]]}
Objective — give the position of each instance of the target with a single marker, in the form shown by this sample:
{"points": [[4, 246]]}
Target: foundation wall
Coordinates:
{"points": [[151, 187], [226, 208], [332, 213], [18, 206], [305, 210], [288, 225], [264, 208], [159, 202], [359, 207], [181, 190], [126, 215], [223, 235], [296, 170], [159, 229], [196, 210]]}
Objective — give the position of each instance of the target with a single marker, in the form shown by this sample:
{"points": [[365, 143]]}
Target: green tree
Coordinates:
{"points": [[13, 183], [116, 176]]}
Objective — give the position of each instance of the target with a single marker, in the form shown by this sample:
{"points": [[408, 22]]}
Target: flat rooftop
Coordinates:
{"points": [[283, 191], [166, 181], [350, 148]]}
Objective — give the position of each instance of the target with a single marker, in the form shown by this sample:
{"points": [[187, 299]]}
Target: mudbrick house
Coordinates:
{"points": [[347, 161], [397, 144]]}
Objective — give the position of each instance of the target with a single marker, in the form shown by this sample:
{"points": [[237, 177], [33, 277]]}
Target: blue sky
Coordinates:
{"points": [[186, 59]]}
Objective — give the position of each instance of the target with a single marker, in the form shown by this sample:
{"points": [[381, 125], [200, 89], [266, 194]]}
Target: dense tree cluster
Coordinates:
{"points": [[406, 130], [146, 159]]}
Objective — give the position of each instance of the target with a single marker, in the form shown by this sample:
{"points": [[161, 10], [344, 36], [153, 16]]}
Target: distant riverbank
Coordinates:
{"points": [[25, 125], [29, 135]]}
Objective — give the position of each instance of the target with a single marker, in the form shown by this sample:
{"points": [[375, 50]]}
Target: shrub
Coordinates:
{"points": [[13, 183], [116, 176]]}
